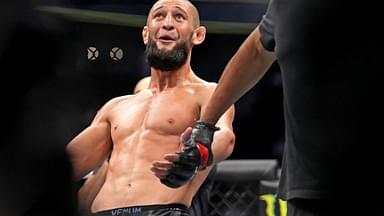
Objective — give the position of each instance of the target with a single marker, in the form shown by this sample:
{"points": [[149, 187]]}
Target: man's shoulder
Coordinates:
{"points": [[116, 100], [204, 83], [207, 86]]}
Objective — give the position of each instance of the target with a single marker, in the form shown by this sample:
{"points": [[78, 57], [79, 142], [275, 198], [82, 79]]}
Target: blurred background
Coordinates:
{"points": [[61, 60]]}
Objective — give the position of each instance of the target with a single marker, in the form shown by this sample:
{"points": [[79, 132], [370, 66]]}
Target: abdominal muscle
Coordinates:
{"points": [[130, 181]]}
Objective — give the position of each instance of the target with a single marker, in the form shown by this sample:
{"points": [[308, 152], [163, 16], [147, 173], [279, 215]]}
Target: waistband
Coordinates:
{"points": [[140, 209]]}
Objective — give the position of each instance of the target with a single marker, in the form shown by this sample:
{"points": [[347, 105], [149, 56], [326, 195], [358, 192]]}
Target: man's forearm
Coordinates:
{"points": [[242, 72]]}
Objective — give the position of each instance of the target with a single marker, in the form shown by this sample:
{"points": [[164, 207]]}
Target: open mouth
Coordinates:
{"points": [[166, 38]]}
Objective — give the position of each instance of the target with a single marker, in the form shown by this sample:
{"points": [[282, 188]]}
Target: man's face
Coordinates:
{"points": [[170, 26]]}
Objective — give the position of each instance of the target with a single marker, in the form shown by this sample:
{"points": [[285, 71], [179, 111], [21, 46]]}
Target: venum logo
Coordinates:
{"points": [[121, 211]]}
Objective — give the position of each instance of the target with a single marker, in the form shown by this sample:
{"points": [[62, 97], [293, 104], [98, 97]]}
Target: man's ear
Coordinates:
{"points": [[199, 35], [145, 33]]}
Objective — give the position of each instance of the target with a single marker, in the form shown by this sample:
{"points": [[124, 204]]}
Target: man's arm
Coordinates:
{"points": [[242, 72], [91, 147]]}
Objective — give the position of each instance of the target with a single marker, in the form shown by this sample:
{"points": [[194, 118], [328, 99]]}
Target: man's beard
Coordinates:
{"points": [[166, 60]]}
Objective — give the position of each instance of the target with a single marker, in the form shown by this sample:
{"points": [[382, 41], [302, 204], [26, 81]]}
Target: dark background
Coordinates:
{"points": [[51, 91]]}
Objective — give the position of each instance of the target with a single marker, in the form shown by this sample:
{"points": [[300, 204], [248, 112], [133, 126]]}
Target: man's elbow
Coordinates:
{"points": [[70, 148], [230, 143], [71, 153]]}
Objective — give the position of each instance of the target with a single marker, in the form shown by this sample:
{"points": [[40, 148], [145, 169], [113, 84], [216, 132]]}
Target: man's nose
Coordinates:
{"points": [[168, 23]]}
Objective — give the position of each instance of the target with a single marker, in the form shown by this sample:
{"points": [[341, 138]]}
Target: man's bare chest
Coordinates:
{"points": [[164, 113]]}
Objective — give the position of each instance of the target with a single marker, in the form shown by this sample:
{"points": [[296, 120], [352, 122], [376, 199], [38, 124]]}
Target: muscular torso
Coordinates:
{"points": [[144, 128]]}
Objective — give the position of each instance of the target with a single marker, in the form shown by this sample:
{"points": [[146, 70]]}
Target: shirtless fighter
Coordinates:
{"points": [[151, 171]]}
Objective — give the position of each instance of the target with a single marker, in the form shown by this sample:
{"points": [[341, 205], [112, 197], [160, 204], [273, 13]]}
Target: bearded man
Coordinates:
{"points": [[152, 171]]}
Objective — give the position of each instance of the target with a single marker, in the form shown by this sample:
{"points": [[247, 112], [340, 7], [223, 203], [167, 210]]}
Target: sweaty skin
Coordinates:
{"points": [[144, 128], [141, 132]]}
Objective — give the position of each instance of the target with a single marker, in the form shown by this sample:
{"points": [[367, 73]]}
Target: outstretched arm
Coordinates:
{"points": [[242, 72]]}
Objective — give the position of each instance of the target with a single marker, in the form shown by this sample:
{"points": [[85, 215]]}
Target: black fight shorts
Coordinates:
{"points": [[147, 210]]}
